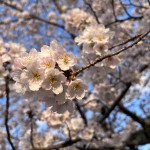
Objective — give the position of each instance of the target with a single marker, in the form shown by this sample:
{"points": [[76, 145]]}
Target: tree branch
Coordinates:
{"points": [[94, 13], [30, 114], [131, 114], [56, 2], [117, 101], [7, 113], [32, 16], [110, 54], [81, 112]]}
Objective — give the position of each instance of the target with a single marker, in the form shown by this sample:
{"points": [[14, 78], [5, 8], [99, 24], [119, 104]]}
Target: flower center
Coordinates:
{"points": [[65, 59], [52, 79], [28, 59], [47, 65], [100, 37], [35, 75], [13, 51]]}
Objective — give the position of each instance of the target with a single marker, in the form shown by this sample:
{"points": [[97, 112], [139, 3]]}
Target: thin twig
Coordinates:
{"points": [[58, 6], [94, 13], [32, 16], [110, 54], [125, 42], [113, 8], [123, 20], [126, 11]]}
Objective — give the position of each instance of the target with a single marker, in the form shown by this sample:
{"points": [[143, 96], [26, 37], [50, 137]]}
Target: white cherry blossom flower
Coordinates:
{"points": [[86, 36], [47, 63], [15, 49], [76, 19], [65, 60], [18, 64], [26, 58], [101, 35], [34, 75], [53, 80], [76, 89], [47, 51], [6, 58], [100, 49]]}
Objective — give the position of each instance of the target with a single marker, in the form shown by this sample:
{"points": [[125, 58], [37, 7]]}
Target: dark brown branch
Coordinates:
{"points": [[117, 101], [136, 118], [110, 54], [102, 147], [131, 114], [32, 16], [135, 5], [7, 113], [81, 112], [30, 114], [56, 2], [11, 21], [126, 11], [140, 137], [113, 8], [94, 13], [125, 42], [123, 20], [69, 132]]}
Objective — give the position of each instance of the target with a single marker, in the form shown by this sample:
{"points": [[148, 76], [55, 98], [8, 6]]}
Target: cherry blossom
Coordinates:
{"points": [[76, 89], [53, 80]]}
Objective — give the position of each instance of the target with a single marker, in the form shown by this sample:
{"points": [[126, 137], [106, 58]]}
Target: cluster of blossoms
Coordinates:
{"points": [[46, 76], [103, 10], [95, 42], [54, 119], [8, 52], [76, 20], [40, 140], [95, 39], [145, 22]]}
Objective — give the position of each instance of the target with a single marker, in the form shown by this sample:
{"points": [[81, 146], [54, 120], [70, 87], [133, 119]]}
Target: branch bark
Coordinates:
{"points": [[131, 114], [7, 113]]}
